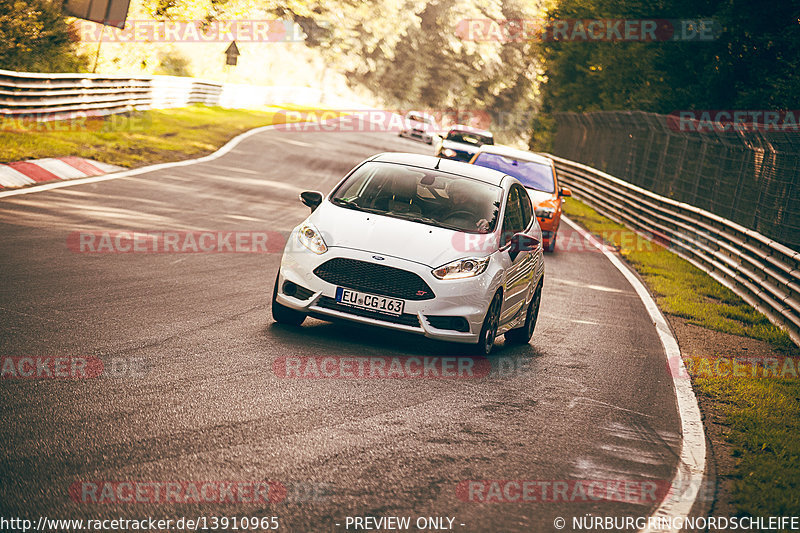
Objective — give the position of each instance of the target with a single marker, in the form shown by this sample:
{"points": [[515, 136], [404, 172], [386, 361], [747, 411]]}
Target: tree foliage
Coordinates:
{"points": [[752, 64], [409, 54], [35, 37]]}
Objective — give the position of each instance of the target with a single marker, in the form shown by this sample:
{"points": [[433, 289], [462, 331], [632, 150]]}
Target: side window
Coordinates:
{"points": [[513, 221], [527, 208]]}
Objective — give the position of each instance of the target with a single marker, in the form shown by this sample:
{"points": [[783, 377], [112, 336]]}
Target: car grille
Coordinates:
{"points": [[326, 302], [375, 279]]}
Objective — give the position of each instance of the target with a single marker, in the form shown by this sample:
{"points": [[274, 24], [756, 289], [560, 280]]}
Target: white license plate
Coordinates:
{"points": [[373, 302]]}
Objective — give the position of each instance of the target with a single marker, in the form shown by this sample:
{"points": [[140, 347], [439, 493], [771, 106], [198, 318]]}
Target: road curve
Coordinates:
{"points": [[591, 398]]}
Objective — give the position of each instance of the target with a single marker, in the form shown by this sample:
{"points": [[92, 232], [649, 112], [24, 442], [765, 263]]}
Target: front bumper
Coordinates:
{"points": [[465, 298], [549, 228]]}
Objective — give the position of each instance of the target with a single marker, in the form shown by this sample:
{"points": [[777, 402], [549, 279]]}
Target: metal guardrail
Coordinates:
{"points": [[54, 96], [763, 272]]}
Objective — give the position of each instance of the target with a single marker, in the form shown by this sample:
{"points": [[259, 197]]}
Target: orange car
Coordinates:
{"points": [[538, 174]]}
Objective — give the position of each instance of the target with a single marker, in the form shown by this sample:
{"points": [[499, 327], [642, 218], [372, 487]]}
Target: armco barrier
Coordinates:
{"points": [[46, 96], [52, 96], [765, 273]]}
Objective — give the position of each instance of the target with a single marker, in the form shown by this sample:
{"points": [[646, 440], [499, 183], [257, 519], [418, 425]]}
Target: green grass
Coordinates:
{"points": [[764, 421], [762, 414], [134, 140], [680, 288]]}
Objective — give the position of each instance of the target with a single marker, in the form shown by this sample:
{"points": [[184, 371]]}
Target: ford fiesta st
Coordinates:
{"points": [[419, 244]]}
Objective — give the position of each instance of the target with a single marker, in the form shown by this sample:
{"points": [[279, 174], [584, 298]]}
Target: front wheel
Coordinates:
{"points": [[523, 335], [281, 313], [489, 328]]}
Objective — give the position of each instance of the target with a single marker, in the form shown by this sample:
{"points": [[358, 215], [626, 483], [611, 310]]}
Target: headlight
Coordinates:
{"points": [[447, 152], [463, 268], [545, 212], [311, 238]]}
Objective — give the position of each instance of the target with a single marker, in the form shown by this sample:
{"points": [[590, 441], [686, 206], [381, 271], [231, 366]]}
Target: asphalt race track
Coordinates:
{"points": [[195, 397]]}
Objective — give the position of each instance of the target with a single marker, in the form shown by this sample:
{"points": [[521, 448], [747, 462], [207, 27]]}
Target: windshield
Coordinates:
{"points": [[419, 195], [533, 175], [469, 138]]}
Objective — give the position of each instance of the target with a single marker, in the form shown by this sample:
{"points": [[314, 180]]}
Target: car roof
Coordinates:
{"points": [[470, 129], [428, 162], [516, 154]]}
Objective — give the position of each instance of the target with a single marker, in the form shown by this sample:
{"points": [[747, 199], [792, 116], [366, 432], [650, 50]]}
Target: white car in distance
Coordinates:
{"points": [[420, 126]]}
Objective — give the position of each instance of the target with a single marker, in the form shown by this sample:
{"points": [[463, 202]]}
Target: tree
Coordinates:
{"points": [[36, 38]]}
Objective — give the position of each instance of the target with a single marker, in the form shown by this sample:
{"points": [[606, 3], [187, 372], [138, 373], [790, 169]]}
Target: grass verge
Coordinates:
{"points": [[762, 414], [141, 138]]}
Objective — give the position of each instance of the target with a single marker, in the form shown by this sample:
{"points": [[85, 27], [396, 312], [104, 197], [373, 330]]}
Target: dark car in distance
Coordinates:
{"points": [[462, 142]]}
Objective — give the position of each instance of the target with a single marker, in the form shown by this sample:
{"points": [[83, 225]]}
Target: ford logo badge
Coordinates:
{"points": [[378, 258]]}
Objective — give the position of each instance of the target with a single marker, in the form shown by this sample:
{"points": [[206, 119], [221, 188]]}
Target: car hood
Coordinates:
{"points": [[464, 147], [383, 235]]}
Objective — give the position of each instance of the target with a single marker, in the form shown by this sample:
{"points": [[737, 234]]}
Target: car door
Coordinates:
{"points": [[517, 277]]}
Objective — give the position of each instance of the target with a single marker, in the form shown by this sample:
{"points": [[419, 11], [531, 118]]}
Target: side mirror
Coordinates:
{"points": [[521, 242], [311, 198], [563, 191]]}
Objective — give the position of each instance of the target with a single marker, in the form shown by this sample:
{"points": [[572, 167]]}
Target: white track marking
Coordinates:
{"points": [[692, 460]]}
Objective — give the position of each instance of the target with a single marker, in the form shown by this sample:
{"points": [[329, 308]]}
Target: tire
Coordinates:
{"points": [[489, 329], [282, 314], [552, 246], [523, 335]]}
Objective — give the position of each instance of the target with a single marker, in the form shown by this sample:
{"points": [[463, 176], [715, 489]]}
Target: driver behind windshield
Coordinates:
{"points": [[462, 207]]}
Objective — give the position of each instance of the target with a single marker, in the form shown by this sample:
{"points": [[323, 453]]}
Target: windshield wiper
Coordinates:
{"points": [[344, 202], [424, 220]]}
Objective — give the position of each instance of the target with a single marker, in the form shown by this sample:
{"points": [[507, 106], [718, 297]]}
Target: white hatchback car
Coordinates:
{"points": [[419, 244]]}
